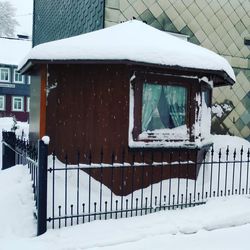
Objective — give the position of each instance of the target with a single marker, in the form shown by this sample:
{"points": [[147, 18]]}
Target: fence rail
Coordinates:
{"points": [[84, 192], [72, 194]]}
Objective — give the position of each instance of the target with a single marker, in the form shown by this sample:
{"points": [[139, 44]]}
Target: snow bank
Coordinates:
{"points": [[174, 229], [233, 142], [13, 50], [7, 123], [132, 40], [17, 203]]}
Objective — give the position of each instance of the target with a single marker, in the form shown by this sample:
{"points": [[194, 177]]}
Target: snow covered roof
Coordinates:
{"points": [[13, 50], [133, 41]]}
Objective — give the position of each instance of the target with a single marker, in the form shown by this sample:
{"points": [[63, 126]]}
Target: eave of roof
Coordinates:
{"points": [[222, 77]]}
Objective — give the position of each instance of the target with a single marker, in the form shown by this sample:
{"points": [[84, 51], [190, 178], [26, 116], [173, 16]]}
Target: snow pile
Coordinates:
{"points": [[217, 213], [220, 109], [46, 140], [8, 124], [233, 142], [13, 50], [134, 41], [17, 203], [174, 229], [179, 133]]}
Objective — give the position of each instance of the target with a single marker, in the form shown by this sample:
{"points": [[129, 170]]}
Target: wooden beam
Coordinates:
{"points": [[43, 72]]}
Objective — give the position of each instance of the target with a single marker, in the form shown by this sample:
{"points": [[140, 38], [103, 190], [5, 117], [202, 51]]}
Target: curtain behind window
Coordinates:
{"points": [[167, 103]]}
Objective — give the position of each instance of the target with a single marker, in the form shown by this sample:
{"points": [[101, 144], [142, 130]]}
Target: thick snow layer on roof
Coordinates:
{"points": [[13, 50], [135, 41]]}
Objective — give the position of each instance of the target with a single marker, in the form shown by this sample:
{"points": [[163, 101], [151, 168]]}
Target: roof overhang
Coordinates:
{"points": [[220, 77]]}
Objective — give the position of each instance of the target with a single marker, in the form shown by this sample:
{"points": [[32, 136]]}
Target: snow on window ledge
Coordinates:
{"points": [[170, 144], [174, 134]]}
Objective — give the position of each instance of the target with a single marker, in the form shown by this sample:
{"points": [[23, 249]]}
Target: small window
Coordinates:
{"points": [[17, 103], [2, 102], [18, 78], [4, 74], [28, 104], [163, 107]]}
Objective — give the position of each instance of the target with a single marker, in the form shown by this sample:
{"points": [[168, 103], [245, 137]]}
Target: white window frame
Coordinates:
{"points": [[5, 68], [14, 77], [4, 102], [29, 79], [13, 104], [28, 104]]}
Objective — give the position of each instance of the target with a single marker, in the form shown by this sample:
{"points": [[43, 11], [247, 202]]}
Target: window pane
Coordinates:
{"points": [[2, 103], [17, 104], [18, 77], [4, 74], [163, 106], [207, 97]]}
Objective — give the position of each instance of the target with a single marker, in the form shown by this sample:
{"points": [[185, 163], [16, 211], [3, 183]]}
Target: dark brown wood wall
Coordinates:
{"points": [[88, 110]]}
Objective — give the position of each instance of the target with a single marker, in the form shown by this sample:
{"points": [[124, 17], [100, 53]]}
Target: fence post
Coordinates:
{"points": [[42, 187], [8, 155]]}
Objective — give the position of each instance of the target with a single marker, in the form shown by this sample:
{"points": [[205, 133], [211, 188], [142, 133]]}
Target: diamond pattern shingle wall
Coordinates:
{"points": [[56, 19], [217, 25]]}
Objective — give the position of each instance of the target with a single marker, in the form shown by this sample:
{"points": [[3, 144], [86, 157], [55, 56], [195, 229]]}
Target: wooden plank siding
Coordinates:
{"points": [[88, 110]]}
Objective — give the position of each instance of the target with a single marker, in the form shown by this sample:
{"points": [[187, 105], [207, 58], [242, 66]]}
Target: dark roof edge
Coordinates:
{"points": [[221, 74]]}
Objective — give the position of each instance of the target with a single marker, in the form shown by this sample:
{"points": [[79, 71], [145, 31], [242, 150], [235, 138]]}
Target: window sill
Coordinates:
{"points": [[170, 144], [17, 110], [174, 134]]}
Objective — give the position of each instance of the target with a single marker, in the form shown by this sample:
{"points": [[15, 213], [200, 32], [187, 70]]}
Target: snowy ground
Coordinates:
{"points": [[222, 223]]}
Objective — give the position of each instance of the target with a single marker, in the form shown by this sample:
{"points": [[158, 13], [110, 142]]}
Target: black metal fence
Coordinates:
{"points": [[84, 192], [97, 191]]}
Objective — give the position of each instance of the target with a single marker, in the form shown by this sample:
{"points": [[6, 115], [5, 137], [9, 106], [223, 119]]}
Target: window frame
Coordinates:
{"points": [[4, 102], [28, 79], [135, 127], [5, 68], [28, 104], [22, 104], [14, 77]]}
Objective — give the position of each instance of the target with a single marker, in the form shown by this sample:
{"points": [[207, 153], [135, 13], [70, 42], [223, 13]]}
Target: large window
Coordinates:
{"points": [[2, 102], [4, 74], [17, 103], [18, 78]]}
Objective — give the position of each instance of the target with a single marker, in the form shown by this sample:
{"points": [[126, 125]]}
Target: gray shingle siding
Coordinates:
{"points": [[57, 19]]}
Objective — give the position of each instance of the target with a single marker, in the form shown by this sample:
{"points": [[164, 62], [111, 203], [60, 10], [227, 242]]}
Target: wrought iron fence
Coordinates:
{"points": [[72, 194], [19, 151], [94, 191]]}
